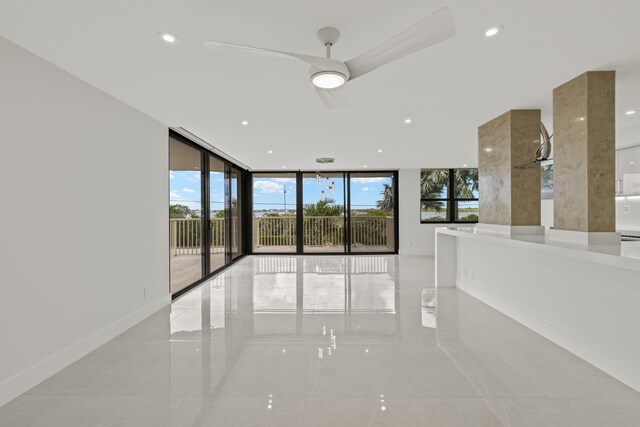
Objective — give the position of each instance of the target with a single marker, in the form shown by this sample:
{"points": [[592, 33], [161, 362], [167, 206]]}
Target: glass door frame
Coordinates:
{"points": [[300, 216], [205, 246], [346, 219]]}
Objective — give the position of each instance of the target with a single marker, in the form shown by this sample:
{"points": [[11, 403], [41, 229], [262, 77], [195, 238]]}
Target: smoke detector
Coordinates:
{"points": [[325, 160]]}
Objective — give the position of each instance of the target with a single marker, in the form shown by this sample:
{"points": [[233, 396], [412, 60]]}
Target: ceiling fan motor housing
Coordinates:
{"points": [[331, 66]]}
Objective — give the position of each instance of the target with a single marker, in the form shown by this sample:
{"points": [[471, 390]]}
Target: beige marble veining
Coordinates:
{"points": [[509, 195], [584, 153]]}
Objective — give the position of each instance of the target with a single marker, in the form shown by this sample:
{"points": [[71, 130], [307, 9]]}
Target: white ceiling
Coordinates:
{"points": [[449, 89]]}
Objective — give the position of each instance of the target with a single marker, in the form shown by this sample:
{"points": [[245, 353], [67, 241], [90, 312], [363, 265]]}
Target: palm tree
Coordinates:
{"points": [[323, 208], [432, 185], [320, 229], [432, 182], [465, 183], [386, 204]]}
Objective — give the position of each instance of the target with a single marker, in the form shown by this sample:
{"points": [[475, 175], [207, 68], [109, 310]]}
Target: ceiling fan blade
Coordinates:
{"points": [[434, 29], [317, 61], [331, 98]]}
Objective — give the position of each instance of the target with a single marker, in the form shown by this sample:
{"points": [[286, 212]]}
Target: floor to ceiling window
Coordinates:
{"points": [[235, 182], [217, 213], [205, 211], [185, 214], [324, 212], [274, 213], [372, 211]]}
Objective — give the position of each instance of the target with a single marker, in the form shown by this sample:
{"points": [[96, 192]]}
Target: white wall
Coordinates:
{"points": [[546, 213], [415, 238], [627, 213], [83, 216]]}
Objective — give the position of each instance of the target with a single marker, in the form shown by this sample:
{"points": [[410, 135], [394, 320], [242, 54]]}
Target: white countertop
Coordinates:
{"points": [[626, 255]]}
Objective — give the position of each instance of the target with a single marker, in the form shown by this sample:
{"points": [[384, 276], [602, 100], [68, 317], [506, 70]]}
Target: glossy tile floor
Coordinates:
{"points": [[327, 341]]}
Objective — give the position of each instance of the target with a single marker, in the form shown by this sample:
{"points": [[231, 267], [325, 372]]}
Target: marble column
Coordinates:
{"points": [[584, 155], [509, 193]]}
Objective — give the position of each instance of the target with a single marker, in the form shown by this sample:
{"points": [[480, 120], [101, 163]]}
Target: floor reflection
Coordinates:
{"points": [[294, 295], [327, 340]]}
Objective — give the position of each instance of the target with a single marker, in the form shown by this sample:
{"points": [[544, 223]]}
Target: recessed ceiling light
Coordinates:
{"points": [[379, 151], [488, 149], [245, 123], [364, 166], [464, 166], [492, 31], [408, 121], [632, 163], [270, 151], [284, 167], [168, 37], [630, 112]]}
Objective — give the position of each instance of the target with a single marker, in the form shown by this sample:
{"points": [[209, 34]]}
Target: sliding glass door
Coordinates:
{"points": [[185, 214], [205, 210], [235, 183], [274, 213], [217, 214], [324, 213], [372, 212]]}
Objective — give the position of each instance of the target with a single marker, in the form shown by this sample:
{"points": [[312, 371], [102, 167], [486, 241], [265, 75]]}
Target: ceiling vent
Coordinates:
{"points": [[325, 160]]}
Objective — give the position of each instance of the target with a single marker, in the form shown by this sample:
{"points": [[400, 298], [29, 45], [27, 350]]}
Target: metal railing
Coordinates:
{"points": [[322, 231], [185, 236], [319, 231]]}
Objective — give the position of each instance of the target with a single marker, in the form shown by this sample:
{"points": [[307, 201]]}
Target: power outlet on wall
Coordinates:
{"points": [[146, 292]]}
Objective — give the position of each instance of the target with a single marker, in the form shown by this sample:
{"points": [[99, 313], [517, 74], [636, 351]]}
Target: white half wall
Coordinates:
{"points": [[415, 238], [585, 302], [84, 218]]}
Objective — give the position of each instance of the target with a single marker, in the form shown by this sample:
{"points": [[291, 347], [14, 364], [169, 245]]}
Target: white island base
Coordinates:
{"points": [[586, 299]]}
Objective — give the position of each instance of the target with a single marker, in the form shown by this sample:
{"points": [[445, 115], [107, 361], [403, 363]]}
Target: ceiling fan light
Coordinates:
{"points": [[328, 79]]}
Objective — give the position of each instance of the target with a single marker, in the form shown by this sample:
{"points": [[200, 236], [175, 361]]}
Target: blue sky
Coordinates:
{"points": [[268, 193]]}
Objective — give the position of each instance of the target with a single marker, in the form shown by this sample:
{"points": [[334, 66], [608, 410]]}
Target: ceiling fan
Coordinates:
{"points": [[328, 74]]}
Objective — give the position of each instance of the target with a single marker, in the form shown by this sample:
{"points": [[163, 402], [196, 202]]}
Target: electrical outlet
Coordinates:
{"points": [[146, 292], [626, 209]]}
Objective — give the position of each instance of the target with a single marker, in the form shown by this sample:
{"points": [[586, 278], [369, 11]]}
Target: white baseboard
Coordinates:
{"points": [[412, 251], [34, 375], [617, 368]]}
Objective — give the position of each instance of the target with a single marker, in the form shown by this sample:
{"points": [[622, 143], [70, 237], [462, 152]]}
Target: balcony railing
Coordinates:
{"points": [[323, 231], [185, 236], [319, 231]]}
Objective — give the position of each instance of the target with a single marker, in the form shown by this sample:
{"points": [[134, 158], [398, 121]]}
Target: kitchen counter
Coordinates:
{"points": [[583, 298]]}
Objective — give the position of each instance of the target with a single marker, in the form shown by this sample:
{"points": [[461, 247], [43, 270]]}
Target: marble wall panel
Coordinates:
{"points": [[509, 195], [584, 153]]}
